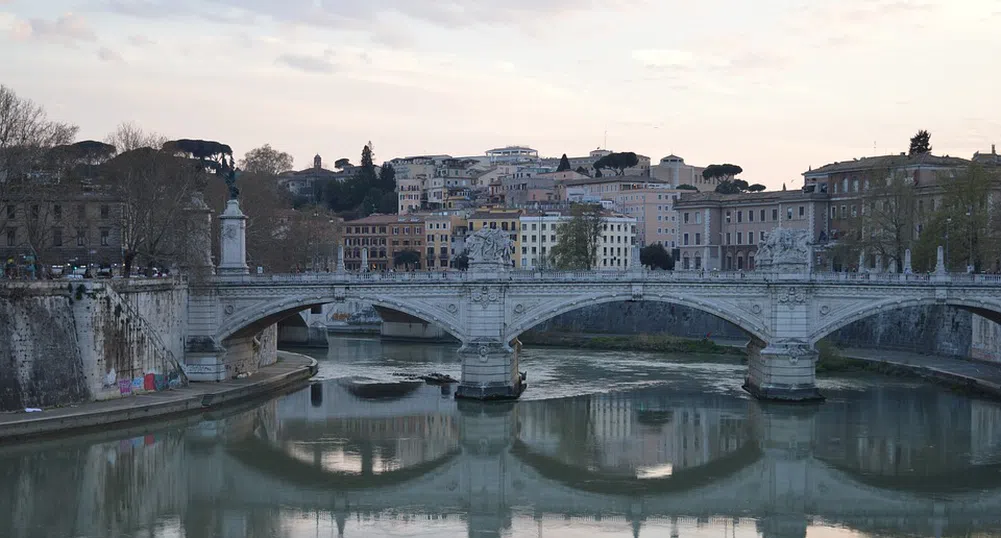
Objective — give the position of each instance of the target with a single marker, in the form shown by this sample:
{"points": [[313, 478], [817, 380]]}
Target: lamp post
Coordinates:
{"points": [[948, 222], [969, 219]]}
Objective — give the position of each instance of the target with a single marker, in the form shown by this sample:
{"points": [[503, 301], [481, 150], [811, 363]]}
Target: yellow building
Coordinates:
{"points": [[499, 219]]}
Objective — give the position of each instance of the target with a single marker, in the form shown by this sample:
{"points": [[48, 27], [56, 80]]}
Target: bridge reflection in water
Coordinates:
{"points": [[899, 460]]}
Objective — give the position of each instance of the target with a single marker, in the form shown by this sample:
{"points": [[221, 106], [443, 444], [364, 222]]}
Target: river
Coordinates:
{"points": [[602, 444]]}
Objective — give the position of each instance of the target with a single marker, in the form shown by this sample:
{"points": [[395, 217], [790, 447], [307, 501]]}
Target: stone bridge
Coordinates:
{"points": [[784, 308]]}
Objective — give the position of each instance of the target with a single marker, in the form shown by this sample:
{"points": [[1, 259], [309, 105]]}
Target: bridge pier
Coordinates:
{"points": [[489, 371], [782, 370]]}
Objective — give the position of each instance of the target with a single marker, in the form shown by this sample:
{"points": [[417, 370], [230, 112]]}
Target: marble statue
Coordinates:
{"points": [[784, 250], [489, 247]]}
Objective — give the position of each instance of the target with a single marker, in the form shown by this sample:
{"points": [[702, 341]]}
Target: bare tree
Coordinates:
{"points": [[266, 160], [884, 221], [129, 136]]}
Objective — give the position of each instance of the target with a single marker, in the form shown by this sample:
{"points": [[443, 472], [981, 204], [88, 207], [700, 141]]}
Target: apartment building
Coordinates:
{"points": [[672, 169], [383, 236], [653, 209], [722, 232], [540, 232], [446, 233]]}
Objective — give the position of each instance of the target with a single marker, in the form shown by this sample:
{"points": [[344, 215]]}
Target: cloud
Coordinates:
{"points": [[664, 58], [68, 29], [304, 62], [140, 41], [110, 56]]}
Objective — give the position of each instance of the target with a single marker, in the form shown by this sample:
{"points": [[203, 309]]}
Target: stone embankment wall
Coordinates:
{"points": [[69, 342], [934, 329]]}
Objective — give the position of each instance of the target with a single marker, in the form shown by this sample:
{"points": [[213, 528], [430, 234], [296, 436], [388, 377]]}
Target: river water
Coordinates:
{"points": [[601, 445]]}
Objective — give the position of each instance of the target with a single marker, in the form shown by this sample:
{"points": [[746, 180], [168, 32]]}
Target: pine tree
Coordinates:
{"points": [[564, 164], [920, 143]]}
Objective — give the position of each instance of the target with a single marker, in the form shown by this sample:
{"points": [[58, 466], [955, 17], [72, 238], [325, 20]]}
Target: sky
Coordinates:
{"points": [[775, 86]]}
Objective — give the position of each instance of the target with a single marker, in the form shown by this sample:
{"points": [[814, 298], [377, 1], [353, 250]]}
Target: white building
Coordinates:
{"points": [[540, 232], [512, 154]]}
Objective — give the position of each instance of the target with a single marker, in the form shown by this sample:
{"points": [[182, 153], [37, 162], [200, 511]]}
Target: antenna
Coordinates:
{"points": [[874, 152], [604, 144]]}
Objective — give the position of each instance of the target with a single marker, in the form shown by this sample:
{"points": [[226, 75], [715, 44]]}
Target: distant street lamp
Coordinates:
{"points": [[969, 218]]}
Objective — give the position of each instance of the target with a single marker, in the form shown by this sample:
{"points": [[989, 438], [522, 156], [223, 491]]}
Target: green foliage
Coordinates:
{"points": [[884, 223], [723, 172], [617, 162], [920, 143], [656, 256], [410, 259], [582, 171], [687, 187], [342, 163], [733, 186], [387, 178], [757, 187], [364, 193], [564, 164], [461, 262], [577, 248]]}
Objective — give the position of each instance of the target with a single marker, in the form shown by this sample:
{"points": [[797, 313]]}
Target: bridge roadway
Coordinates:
{"points": [[783, 314]]}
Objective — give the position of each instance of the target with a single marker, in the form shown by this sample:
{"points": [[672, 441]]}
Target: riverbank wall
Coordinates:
{"points": [[938, 330]]}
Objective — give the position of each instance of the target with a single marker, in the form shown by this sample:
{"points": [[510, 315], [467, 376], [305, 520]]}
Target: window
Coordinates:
{"points": [[698, 239], [761, 236], [844, 212], [698, 262], [740, 238], [406, 230], [11, 237], [105, 238], [740, 216], [57, 237], [728, 238], [788, 213], [775, 215], [504, 226], [854, 211], [750, 216], [684, 240], [81, 238], [834, 212], [524, 239], [727, 217], [396, 230], [802, 211], [686, 218], [698, 218], [533, 227]]}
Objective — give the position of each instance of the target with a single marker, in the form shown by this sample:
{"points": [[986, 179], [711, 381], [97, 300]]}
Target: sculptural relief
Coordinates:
{"points": [[489, 247], [784, 250]]}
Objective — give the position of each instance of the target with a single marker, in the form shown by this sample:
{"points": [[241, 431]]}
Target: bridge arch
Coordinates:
{"points": [[253, 319], [988, 309], [727, 312]]}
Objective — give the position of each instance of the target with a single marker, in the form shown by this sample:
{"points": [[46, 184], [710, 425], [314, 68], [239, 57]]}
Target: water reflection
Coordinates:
{"points": [[895, 461]]}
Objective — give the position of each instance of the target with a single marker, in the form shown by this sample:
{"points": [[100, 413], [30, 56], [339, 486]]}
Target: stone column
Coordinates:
{"points": [[340, 258], [364, 260], [233, 245], [879, 264], [940, 261], [783, 370], [907, 262], [861, 262]]}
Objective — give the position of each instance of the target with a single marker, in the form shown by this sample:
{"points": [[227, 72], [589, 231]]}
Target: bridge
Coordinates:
{"points": [[784, 308]]}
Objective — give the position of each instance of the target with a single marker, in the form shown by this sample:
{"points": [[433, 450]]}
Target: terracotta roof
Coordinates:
{"points": [[700, 198], [387, 219]]}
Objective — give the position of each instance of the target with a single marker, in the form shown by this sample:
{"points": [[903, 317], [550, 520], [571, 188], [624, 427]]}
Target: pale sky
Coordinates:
{"points": [[772, 85]]}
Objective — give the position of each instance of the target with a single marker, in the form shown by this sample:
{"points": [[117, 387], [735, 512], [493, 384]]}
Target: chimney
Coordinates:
{"points": [[993, 150], [317, 162]]}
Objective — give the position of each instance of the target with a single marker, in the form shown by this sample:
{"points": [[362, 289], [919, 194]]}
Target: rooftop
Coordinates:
{"points": [[714, 198], [889, 162], [387, 219]]}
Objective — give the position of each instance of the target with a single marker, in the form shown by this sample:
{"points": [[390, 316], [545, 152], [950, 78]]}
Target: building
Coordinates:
{"points": [[722, 231], [526, 189], [672, 169], [384, 236], [309, 182], [642, 168], [653, 209], [512, 154], [540, 232], [77, 224], [446, 234]]}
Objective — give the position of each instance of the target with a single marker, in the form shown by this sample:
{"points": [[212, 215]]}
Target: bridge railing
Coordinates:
{"points": [[616, 276]]}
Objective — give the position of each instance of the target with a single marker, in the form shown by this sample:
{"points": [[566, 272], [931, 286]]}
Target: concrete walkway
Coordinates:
{"points": [[969, 373], [291, 369]]}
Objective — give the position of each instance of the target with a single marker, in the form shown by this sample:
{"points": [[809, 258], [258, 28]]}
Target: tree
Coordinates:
{"points": [[342, 163], [577, 247], [687, 187], [564, 164], [130, 136], [721, 172], [732, 186], [582, 171], [410, 259], [266, 160], [208, 156], [461, 262], [387, 178], [757, 187], [883, 223], [920, 143], [656, 256], [618, 162]]}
